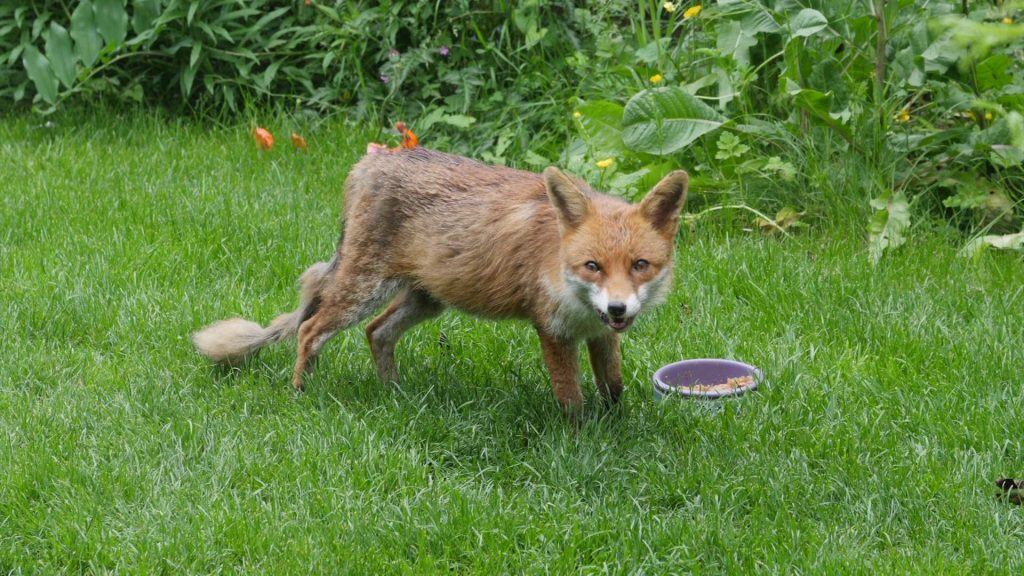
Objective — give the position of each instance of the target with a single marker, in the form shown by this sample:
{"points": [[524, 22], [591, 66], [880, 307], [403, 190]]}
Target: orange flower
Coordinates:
{"points": [[264, 139], [299, 142], [409, 138]]}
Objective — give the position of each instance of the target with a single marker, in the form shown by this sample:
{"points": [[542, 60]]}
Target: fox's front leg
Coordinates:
{"points": [[563, 362], [606, 360]]}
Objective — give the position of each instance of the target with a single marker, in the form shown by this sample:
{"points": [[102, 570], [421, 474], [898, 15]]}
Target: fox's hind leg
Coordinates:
{"points": [[408, 309], [354, 292]]}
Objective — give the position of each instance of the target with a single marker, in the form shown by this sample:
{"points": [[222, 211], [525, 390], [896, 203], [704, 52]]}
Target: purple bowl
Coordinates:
{"points": [[674, 378]]}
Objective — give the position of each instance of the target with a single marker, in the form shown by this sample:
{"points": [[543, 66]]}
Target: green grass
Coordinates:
{"points": [[893, 402]]}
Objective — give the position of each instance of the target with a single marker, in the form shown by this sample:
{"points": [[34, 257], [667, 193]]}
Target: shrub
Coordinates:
{"points": [[792, 108]]}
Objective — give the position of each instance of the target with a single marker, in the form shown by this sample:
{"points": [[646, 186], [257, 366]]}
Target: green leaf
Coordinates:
{"points": [[144, 12], [111, 20], [729, 146], [941, 54], [807, 22], [38, 68], [760, 21], [664, 120], [187, 78], [1003, 242], [655, 172], [135, 93], [726, 91], [733, 41], [887, 225], [782, 169], [60, 54], [440, 115], [268, 75], [534, 159], [627, 183], [601, 122], [970, 193], [83, 29], [785, 219], [458, 120], [978, 37], [818, 104], [649, 53], [992, 73]]}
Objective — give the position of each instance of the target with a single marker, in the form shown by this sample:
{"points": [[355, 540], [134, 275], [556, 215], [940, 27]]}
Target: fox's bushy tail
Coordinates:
{"points": [[231, 341]]}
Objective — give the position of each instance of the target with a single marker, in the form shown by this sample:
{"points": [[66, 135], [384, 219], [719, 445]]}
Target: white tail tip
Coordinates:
{"points": [[229, 341]]}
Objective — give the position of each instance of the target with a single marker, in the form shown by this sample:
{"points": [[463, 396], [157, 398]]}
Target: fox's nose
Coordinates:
{"points": [[617, 309]]}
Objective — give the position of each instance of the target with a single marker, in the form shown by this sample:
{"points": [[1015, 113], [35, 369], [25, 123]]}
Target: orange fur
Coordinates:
{"points": [[428, 230]]}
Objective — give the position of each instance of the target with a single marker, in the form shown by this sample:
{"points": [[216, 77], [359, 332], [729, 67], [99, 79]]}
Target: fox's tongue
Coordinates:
{"points": [[618, 324]]}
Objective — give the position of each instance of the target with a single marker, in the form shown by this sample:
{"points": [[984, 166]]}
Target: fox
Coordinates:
{"points": [[425, 230]]}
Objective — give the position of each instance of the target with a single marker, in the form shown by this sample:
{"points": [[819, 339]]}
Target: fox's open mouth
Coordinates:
{"points": [[617, 324]]}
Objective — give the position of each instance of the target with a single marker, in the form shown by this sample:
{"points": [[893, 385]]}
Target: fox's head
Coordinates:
{"points": [[617, 257]]}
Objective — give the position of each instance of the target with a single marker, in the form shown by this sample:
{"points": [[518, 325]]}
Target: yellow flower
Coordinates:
{"points": [[903, 116], [669, 7], [577, 115], [1007, 20], [971, 115], [988, 115], [606, 163], [692, 12], [657, 79]]}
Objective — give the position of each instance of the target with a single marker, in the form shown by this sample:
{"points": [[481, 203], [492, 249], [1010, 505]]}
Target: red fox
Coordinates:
{"points": [[427, 230]]}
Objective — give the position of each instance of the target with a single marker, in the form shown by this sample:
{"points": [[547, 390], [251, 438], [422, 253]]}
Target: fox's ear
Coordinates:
{"points": [[662, 205], [572, 205]]}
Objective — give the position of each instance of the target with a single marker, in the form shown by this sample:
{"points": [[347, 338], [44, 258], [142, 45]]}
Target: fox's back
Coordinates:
{"points": [[421, 180], [476, 236]]}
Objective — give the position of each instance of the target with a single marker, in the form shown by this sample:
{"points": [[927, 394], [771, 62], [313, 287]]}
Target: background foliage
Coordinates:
{"points": [[787, 112]]}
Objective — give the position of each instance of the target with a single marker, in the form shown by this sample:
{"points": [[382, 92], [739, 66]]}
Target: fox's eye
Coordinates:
{"points": [[593, 266], [641, 265]]}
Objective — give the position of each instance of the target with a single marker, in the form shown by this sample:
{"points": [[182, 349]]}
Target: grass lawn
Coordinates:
{"points": [[894, 398]]}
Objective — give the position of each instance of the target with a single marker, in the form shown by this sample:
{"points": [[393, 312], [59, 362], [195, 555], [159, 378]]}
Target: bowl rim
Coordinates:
{"points": [[666, 389]]}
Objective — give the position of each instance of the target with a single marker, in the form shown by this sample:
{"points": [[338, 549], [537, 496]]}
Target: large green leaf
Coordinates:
{"points": [[887, 225], [144, 12], [112, 20], [1004, 242], [819, 105], [993, 72], [734, 41], [39, 71], [807, 22], [664, 120], [83, 29], [602, 126], [760, 21], [60, 54]]}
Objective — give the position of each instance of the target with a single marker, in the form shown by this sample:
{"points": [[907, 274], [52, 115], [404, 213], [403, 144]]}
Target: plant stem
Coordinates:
{"points": [[758, 213], [880, 50]]}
